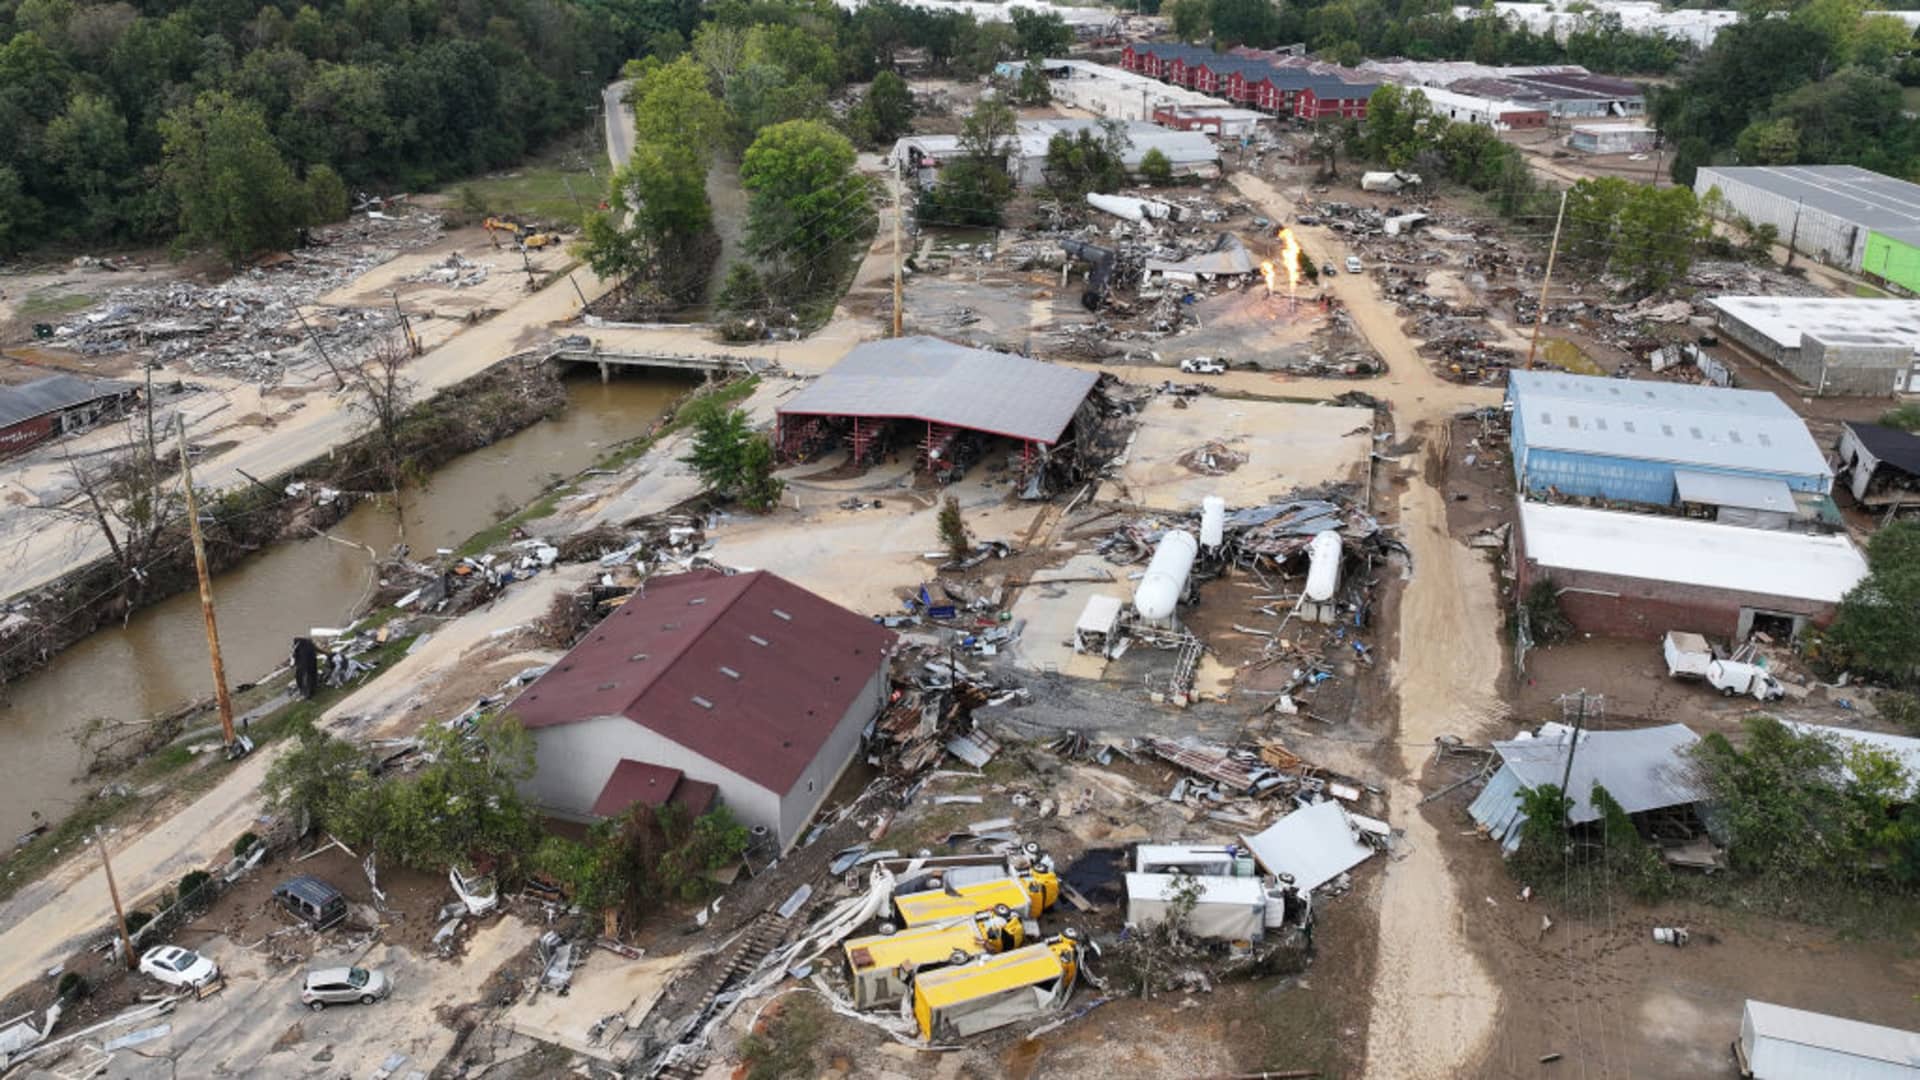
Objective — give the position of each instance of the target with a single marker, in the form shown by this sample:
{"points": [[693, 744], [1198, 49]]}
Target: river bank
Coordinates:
{"points": [[315, 567]]}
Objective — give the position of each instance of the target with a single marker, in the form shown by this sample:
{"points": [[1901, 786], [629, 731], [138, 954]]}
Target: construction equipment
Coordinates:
{"points": [[882, 966], [955, 1002], [525, 235], [1030, 891]]}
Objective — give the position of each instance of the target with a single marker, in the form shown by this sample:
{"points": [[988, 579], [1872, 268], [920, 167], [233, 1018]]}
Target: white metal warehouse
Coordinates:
{"points": [[1826, 211]]}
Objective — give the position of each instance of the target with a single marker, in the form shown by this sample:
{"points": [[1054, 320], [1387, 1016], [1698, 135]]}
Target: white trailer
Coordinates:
{"points": [[1687, 654], [1224, 908], [1779, 1043]]}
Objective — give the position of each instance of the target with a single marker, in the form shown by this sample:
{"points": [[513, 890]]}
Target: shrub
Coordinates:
{"points": [[72, 987], [244, 845], [136, 920], [192, 882]]}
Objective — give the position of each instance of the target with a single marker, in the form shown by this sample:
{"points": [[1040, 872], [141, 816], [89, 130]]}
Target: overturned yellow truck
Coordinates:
{"points": [[1024, 984], [883, 966], [1027, 892]]}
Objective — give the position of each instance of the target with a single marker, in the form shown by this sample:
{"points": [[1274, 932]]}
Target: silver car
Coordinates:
{"points": [[344, 985]]}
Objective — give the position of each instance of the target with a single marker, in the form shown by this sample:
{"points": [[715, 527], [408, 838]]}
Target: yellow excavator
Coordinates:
{"points": [[525, 236]]}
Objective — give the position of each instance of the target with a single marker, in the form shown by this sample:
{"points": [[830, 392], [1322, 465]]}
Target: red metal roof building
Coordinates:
{"points": [[744, 683]]}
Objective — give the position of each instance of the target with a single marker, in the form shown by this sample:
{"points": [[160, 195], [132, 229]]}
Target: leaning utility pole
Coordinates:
{"points": [[221, 698], [1546, 282], [1794, 236], [898, 258], [113, 890], [1573, 744]]}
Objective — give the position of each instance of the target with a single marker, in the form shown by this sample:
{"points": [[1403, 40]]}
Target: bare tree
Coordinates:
{"points": [[129, 495], [383, 393]]}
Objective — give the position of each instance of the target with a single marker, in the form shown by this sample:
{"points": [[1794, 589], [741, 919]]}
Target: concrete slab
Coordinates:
{"points": [[1286, 445], [606, 986], [1051, 609]]}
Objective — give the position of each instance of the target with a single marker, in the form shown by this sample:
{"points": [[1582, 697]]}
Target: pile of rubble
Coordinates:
{"points": [[251, 325]]}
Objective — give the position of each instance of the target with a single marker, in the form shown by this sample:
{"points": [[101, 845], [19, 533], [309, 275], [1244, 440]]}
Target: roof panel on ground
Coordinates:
{"points": [[923, 378], [1688, 552], [1645, 769]]}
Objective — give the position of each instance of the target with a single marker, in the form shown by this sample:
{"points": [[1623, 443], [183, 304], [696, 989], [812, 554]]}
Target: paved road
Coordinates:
{"points": [[619, 121]]}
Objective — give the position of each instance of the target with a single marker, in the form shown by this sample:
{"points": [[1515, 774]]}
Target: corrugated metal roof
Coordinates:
{"points": [[53, 393], [1727, 489], [1849, 192], [1315, 844], [923, 378], [1892, 446], [1842, 1049], [749, 671], [1903, 749], [1644, 769], [1679, 423], [1684, 551]]}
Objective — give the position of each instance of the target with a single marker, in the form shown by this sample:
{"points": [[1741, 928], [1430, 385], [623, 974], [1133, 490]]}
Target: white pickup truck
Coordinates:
{"points": [[1689, 655]]}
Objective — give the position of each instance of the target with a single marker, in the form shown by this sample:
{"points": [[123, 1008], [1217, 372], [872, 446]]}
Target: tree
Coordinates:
{"points": [[974, 188], [1040, 34], [1192, 19], [1905, 417], [953, 531], [383, 395], [659, 210], [235, 192], [1245, 22], [806, 204], [890, 104], [1877, 627], [313, 777], [1033, 87], [1155, 168], [732, 460], [326, 195], [1086, 162], [131, 498], [742, 291], [672, 106], [88, 143], [1769, 142], [762, 95]]}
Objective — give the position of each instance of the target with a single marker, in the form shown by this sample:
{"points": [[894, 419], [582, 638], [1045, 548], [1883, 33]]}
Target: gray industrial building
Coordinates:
{"points": [[1190, 153], [1825, 211], [1845, 345]]}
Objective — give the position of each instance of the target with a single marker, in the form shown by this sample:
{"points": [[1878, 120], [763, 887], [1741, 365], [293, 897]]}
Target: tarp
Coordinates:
{"points": [[1227, 908], [1315, 845]]}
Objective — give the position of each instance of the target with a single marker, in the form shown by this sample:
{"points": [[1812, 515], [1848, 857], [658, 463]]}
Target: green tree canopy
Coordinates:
{"points": [[806, 204], [235, 192], [1878, 625]]}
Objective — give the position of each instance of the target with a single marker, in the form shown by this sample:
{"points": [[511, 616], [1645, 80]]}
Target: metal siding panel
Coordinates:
{"points": [[1594, 475]]}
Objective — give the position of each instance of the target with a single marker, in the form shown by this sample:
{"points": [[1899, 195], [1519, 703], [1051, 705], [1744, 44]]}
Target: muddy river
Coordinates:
{"points": [[158, 661]]}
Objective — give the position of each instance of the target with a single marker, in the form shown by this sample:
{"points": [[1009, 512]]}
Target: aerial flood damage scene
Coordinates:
{"points": [[922, 538]]}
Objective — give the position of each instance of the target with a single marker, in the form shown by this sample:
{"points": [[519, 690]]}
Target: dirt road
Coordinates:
{"points": [[1433, 1003]]}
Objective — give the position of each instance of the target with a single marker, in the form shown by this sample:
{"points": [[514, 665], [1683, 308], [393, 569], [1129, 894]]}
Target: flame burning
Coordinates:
{"points": [[1266, 271], [1290, 258]]}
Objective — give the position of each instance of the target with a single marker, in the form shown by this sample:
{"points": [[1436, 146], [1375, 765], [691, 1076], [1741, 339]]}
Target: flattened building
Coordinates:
{"points": [[743, 688]]}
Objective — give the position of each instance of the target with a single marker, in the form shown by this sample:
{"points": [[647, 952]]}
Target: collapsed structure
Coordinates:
{"points": [[1881, 465], [1644, 771], [1190, 153]]}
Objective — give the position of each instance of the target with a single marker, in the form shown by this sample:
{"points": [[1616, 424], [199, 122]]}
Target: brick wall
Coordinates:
{"points": [[1630, 607]]}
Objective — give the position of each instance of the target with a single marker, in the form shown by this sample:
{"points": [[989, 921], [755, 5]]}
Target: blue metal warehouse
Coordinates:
{"points": [[1651, 442]]}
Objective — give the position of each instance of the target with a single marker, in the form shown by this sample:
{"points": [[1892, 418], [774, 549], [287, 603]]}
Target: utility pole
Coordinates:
{"points": [[222, 700], [899, 257], [1566, 775], [113, 890], [406, 327], [338, 382], [1794, 236], [1540, 316]]}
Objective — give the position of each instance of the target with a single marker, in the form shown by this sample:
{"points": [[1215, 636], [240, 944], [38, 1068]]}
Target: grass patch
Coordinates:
{"points": [[785, 1048], [1862, 289], [497, 533], [51, 303], [1567, 356], [62, 841], [548, 191]]}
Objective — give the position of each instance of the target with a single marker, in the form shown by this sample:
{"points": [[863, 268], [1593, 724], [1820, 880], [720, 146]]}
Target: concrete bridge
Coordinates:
{"points": [[585, 352]]}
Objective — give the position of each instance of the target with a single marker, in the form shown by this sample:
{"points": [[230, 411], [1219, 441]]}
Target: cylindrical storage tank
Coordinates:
{"points": [[1213, 521], [1323, 568], [1159, 591]]}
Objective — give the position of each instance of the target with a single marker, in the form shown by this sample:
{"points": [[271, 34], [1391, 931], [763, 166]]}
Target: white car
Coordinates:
{"points": [[1204, 365], [178, 967], [1353, 264]]}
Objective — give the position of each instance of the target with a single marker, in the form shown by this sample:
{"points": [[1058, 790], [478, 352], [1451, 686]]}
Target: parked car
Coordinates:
{"points": [[178, 967], [1329, 270], [344, 986], [1353, 264], [312, 901], [1204, 365]]}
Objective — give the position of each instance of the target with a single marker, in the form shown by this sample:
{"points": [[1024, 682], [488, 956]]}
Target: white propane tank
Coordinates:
{"points": [[1166, 578], [1213, 522], [1323, 569]]}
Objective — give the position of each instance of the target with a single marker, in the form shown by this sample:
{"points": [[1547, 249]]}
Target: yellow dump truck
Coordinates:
{"points": [[1028, 892], [882, 966], [955, 1002]]}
